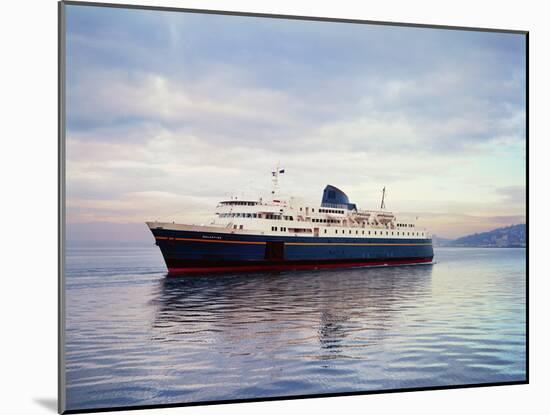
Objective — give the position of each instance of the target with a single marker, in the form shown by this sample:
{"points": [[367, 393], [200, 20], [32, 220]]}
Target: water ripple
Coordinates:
{"points": [[136, 337]]}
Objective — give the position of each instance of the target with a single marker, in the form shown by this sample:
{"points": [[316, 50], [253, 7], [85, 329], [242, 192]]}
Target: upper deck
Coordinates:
{"points": [[335, 216], [291, 217]]}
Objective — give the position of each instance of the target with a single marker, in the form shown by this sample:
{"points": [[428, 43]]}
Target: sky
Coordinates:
{"points": [[169, 113]]}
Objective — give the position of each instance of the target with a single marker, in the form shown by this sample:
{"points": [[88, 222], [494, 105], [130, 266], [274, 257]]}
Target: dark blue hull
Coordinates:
{"points": [[191, 252]]}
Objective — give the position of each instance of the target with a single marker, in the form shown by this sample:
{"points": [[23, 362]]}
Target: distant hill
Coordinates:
{"points": [[509, 237]]}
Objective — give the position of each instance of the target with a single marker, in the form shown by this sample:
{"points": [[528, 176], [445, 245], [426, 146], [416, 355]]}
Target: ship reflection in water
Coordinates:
{"points": [[319, 315], [135, 337]]}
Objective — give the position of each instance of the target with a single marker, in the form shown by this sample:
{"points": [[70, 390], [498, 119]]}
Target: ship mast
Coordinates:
{"points": [[275, 178], [383, 204]]}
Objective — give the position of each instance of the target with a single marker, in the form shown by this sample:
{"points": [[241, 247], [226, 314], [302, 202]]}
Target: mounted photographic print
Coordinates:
{"points": [[259, 207]]}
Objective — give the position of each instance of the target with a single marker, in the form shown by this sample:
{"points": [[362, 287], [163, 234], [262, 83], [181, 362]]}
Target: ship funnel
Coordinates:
{"points": [[335, 198]]}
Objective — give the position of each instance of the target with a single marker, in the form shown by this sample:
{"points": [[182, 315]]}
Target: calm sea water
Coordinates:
{"points": [[135, 337]]}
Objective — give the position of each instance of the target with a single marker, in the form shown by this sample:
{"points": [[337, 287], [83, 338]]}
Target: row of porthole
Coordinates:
{"points": [[283, 229], [387, 233], [255, 216]]}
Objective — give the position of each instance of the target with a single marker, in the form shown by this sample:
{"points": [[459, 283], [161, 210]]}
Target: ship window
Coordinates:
{"points": [[392, 233], [369, 232], [300, 209], [397, 233], [335, 230], [241, 226], [386, 232], [312, 210], [356, 232], [363, 232], [234, 226], [325, 231], [350, 231], [375, 232]]}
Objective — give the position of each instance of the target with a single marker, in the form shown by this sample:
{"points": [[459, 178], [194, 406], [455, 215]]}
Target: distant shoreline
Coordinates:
{"points": [[481, 246]]}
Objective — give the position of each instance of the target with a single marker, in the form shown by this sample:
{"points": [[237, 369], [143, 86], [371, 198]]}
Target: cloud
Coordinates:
{"points": [[513, 195], [166, 115]]}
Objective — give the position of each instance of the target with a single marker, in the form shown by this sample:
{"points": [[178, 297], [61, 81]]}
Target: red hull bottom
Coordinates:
{"points": [[293, 266]]}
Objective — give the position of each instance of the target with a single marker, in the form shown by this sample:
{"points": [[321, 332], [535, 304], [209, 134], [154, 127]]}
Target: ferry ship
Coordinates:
{"points": [[279, 233]]}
